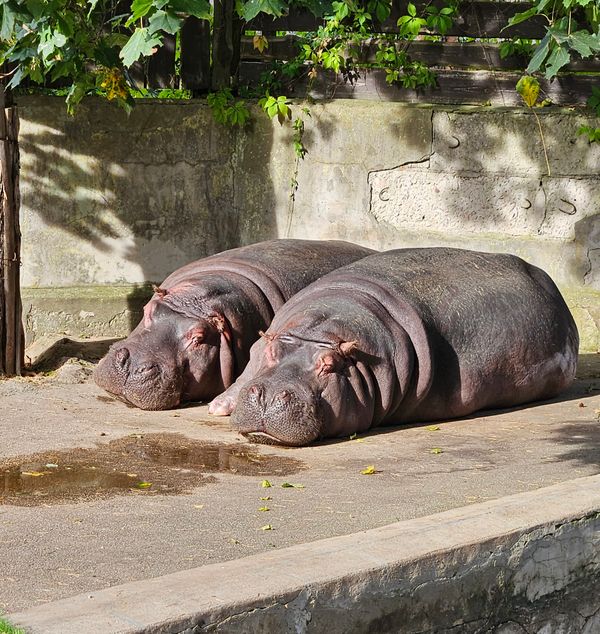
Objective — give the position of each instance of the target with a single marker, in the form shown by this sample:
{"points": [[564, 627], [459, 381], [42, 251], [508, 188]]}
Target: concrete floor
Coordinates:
{"points": [[55, 550]]}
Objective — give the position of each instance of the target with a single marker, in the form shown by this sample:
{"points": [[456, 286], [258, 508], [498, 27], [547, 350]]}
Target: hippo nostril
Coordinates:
{"points": [[257, 392], [122, 356], [146, 369], [284, 395]]}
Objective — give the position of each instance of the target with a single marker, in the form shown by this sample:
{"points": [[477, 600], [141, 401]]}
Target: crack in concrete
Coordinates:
{"points": [[588, 256]]}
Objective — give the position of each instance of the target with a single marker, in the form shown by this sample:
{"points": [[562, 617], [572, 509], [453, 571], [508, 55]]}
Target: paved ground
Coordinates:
{"points": [[59, 548]]}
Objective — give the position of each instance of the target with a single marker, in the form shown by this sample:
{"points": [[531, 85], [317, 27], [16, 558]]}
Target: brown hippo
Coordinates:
{"points": [[197, 330], [406, 335]]}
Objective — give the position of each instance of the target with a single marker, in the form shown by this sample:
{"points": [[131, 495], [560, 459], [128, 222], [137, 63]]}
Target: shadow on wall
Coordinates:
{"points": [[114, 200], [485, 185]]}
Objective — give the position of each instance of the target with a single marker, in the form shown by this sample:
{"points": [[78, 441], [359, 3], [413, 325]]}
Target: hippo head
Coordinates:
{"points": [[170, 358], [305, 390]]}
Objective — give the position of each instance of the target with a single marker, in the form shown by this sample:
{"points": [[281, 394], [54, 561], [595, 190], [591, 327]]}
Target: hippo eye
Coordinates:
{"points": [[285, 339]]}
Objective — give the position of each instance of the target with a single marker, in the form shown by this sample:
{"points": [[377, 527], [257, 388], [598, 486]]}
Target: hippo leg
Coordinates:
{"points": [[224, 404]]}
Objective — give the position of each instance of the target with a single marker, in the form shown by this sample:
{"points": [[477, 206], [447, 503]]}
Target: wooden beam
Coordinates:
{"points": [[478, 87], [459, 55], [477, 18]]}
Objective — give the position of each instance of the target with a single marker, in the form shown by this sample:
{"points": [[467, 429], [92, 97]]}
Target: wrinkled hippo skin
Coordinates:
{"points": [[198, 327], [402, 336]]}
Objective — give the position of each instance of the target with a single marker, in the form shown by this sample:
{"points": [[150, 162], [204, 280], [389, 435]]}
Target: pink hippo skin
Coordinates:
{"points": [[197, 330], [402, 336]]}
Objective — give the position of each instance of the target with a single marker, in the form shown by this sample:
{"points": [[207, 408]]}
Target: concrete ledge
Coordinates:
{"points": [[524, 563], [113, 311], [83, 311]]}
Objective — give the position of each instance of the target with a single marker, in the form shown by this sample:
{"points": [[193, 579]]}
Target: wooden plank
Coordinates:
{"points": [[195, 55], [471, 55], [161, 65], [478, 18], [477, 87]]}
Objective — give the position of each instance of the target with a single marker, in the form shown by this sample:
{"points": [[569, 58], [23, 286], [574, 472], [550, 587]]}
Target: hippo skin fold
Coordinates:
{"points": [[404, 336], [199, 325]]}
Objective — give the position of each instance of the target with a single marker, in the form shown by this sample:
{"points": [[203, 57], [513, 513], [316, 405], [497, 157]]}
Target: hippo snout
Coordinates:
{"points": [[282, 416]]}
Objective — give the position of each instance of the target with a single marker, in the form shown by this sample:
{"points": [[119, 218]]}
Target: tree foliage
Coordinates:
{"points": [[91, 45]]}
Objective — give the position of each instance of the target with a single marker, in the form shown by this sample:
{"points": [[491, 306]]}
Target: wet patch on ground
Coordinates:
{"points": [[141, 464]]}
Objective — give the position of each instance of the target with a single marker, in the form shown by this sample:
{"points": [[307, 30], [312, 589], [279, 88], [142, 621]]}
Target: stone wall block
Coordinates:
{"points": [[508, 142], [344, 132], [422, 199]]}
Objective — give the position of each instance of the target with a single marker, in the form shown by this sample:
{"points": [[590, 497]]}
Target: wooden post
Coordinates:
{"points": [[195, 55], [225, 30], [11, 327], [161, 66]]}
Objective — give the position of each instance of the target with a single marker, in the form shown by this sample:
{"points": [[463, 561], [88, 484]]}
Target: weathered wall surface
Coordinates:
{"points": [[114, 201]]}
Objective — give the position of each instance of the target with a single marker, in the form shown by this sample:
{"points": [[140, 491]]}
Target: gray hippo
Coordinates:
{"points": [[197, 330], [402, 336]]}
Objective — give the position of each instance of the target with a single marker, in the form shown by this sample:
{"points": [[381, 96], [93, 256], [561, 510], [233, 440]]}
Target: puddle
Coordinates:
{"points": [[150, 464]]}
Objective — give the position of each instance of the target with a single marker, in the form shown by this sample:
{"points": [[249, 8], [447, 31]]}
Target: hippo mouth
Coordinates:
{"points": [[292, 430], [262, 438]]}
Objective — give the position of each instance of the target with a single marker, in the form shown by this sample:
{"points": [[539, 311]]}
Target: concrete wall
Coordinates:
{"points": [[110, 203]]}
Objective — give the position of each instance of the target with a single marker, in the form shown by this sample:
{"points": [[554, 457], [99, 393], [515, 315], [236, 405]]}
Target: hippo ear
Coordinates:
{"points": [[220, 323], [327, 363], [348, 347]]}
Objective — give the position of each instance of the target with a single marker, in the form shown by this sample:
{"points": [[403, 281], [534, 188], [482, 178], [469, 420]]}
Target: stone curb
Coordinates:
{"points": [[518, 564]]}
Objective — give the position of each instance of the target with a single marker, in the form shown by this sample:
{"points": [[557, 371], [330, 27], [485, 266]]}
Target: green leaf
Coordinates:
{"points": [[412, 10], [265, 484], [198, 8], [164, 21], [8, 23], [253, 7], [140, 43], [521, 17], [139, 9], [558, 58], [584, 43], [49, 42], [16, 78], [382, 11], [36, 8], [540, 54]]}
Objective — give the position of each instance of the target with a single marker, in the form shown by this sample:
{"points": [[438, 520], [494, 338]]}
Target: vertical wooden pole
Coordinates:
{"points": [[223, 48], [195, 55], [161, 66], [11, 331]]}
